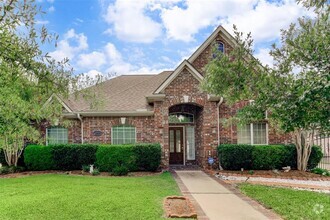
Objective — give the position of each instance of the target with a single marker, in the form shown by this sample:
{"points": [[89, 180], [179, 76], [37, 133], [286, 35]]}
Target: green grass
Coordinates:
{"points": [[78, 197], [289, 203]]}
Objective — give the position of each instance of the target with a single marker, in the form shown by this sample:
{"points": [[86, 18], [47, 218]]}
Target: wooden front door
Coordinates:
{"points": [[176, 145]]}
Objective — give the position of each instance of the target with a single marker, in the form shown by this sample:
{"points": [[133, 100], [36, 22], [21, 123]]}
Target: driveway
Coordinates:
{"points": [[217, 201]]}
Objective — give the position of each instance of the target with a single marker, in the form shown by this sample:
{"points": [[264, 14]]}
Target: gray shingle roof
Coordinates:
{"points": [[122, 93]]}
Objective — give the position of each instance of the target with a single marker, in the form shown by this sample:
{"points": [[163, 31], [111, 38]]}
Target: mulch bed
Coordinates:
{"points": [[292, 174], [74, 172], [179, 207]]}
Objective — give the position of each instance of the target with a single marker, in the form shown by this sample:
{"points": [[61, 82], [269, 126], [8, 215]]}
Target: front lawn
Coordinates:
{"points": [[289, 203], [80, 197]]}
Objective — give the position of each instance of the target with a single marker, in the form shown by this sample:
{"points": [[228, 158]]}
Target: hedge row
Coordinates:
{"points": [[105, 157], [263, 157]]}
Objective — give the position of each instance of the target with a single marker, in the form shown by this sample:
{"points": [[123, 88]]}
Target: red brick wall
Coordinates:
{"points": [[228, 133], [200, 62], [144, 129], [185, 84]]}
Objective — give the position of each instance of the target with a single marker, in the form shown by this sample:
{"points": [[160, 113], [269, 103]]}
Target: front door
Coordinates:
{"points": [[176, 145]]}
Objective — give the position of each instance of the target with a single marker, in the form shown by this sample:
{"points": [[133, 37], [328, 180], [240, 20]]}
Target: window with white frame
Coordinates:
{"points": [[254, 133], [123, 134], [56, 135]]}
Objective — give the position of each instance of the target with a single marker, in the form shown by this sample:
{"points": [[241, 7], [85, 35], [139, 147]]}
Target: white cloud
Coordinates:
{"points": [[71, 45], [130, 22], [117, 65], [51, 9], [263, 18], [264, 57], [183, 23], [42, 22], [94, 59], [266, 19]]}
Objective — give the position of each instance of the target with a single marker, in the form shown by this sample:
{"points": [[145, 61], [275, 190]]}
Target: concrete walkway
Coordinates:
{"points": [[215, 200]]}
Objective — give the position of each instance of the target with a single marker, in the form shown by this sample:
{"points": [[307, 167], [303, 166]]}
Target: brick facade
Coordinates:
{"points": [[183, 94]]}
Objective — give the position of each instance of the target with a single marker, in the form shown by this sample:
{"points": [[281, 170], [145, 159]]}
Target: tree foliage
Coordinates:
{"points": [[295, 91], [28, 77]]}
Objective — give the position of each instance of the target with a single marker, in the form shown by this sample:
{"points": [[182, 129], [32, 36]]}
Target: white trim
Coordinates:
{"points": [[60, 100], [155, 97], [118, 113], [210, 39], [176, 72]]}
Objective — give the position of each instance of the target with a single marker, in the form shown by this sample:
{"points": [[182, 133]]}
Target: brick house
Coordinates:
{"points": [[169, 108]]}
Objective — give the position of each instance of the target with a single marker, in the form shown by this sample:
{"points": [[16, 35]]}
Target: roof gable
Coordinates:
{"points": [[176, 72], [210, 39], [51, 98]]}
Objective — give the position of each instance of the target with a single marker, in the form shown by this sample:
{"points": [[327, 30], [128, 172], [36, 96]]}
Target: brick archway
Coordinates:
{"points": [[184, 136]]}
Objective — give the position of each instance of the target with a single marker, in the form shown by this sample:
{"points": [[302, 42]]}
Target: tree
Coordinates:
{"points": [[295, 92]]}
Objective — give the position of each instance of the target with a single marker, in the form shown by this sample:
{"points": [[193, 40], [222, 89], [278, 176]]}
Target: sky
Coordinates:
{"points": [[149, 36]]}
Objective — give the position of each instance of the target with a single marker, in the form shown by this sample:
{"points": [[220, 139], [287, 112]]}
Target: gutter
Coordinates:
{"points": [[82, 127], [218, 111]]}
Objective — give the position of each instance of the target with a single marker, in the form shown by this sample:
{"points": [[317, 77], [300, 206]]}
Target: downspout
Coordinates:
{"points": [[81, 128], [218, 117]]}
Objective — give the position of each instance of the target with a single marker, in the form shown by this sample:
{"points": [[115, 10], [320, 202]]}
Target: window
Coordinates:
{"points": [[181, 118], [56, 135], [221, 47], [123, 134], [190, 131], [255, 133]]}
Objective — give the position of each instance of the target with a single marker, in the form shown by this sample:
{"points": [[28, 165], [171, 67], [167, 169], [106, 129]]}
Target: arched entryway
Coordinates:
{"points": [[184, 126]]}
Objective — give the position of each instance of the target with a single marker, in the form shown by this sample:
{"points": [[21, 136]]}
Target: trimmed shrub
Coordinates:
{"points": [[111, 156], [38, 157], [263, 157], [268, 157], [315, 157], [148, 156], [235, 156], [120, 171], [73, 156]]}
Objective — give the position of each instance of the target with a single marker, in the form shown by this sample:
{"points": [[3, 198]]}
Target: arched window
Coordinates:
{"points": [[221, 47], [181, 118], [123, 134], [56, 135]]}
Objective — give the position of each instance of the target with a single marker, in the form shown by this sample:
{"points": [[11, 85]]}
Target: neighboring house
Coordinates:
{"points": [[169, 108]]}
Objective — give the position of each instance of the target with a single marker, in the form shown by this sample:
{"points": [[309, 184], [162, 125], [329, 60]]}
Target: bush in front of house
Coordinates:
{"points": [[111, 156], [315, 158], [133, 157], [267, 157], [263, 157], [37, 157], [148, 156], [235, 156], [73, 156], [119, 158]]}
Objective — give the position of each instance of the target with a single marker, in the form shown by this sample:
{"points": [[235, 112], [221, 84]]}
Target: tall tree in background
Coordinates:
{"points": [[296, 91], [28, 77]]}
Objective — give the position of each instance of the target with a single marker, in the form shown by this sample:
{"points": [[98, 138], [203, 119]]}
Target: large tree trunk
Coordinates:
{"points": [[304, 141]]}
